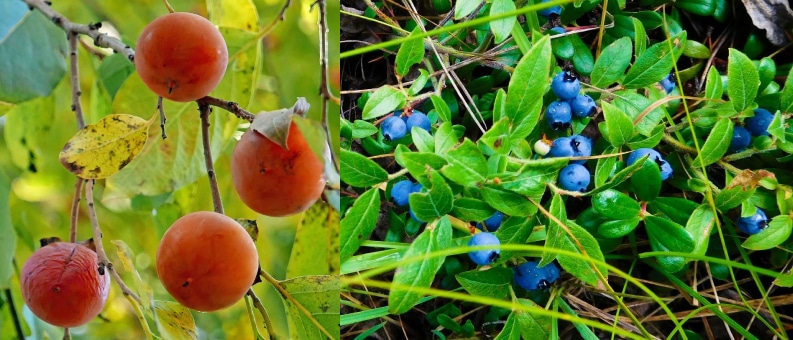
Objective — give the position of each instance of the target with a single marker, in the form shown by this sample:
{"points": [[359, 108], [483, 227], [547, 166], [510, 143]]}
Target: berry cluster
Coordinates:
{"points": [[559, 113], [397, 126], [663, 165], [401, 191], [756, 126], [528, 276]]}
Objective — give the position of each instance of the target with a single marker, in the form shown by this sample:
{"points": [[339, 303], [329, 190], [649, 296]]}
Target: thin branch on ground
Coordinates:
{"points": [[228, 106], [213, 182], [257, 303]]}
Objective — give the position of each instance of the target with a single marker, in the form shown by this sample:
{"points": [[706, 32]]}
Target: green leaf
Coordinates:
{"points": [[441, 108], [562, 46], [515, 230], [713, 85], [445, 138], [717, 143], [113, 70], [25, 142], [316, 250], [666, 235], [653, 65], [640, 36], [506, 201], [359, 222], [29, 72], [417, 163], [676, 209], [471, 209], [605, 166], [618, 228], [497, 137], [419, 273], [557, 217], [617, 179], [383, 101], [777, 233], [314, 294], [615, 205], [612, 63], [777, 127], [359, 171], [620, 126], [784, 280], [743, 80], [467, 165], [702, 8], [732, 196], [700, 225], [465, 7], [786, 101], [695, 49], [493, 282], [634, 105], [8, 237], [646, 182], [499, 105], [422, 139], [583, 61], [526, 325], [532, 177], [766, 70], [575, 239], [528, 84], [362, 128], [174, 321], [435, 203], [502, 28], [419, 82], [410, 53]]}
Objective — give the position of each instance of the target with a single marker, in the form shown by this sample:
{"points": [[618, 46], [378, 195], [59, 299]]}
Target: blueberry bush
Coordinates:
{"points": [[592, 169]]}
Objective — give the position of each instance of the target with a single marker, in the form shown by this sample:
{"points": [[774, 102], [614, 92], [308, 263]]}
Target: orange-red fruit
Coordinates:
{"points": [[274, 181], [207, 261], [62, 286], [181, 56]]}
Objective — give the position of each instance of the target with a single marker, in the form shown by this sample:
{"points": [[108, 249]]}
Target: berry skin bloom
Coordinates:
{"points": [[558, 115], [574, 177], [484, 257], [758, 124], [565, 85], [493, 222], [418, 119], [753, 224], [393, 128], [663, 165], [583, 106], [400, 192], [529, 277]]}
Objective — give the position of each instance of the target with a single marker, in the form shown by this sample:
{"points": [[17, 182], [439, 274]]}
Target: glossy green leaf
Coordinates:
{"points": [[362, 128], [777, 232], [702, 8], [605, 167], [620, 126], [417, 163], [532, 177], [646, 182], [419, 82], [713, 85], [467, 165], [359, 222], [618, 228], [316, 249], [666, 235], [700, 226], [615, 205], [611, 64], [383, 101], [502, 28], [653, 65], [766, 69], [499, 105], [434, 203], [497, 137], [419, 273], [640, 36], [583, 61], [359, 171], [743, 80], [515, 230], [617, 179], [786, 100], [526, 325], [441, 108], [423, 140], [562, 47], [695, 49], [732, 197], [556, 220], [717, 143], [784, 280], [528, 84], [506, 201], [580, 241], [676, 209], [445, 138], [471, 209], [634, 105], [410, 53], [493, 282]]}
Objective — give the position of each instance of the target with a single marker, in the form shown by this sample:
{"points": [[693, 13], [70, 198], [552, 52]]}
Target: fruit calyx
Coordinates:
{"points": [[274, 125]]}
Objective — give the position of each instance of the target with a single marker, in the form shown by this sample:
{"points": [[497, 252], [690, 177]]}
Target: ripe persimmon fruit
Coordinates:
{"points": [[181, 56], [61, 284], [207, 261], [275, 181]]}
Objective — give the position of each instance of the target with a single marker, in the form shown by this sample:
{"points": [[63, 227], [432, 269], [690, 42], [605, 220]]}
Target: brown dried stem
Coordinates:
{"points": [[323, 85], [228, 106], [213, 183]]}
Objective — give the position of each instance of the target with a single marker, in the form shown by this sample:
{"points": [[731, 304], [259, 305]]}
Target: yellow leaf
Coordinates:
{"points": [[240, 14], [174, 321], [102, 149]]}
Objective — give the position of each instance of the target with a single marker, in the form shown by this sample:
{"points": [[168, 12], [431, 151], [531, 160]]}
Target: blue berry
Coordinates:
{"points": [[484, 257], [418, 119], [546, 12], [574, 177], [573, 146], [663, 165], [583, 106], [559, 115], [493, 222], [668, 83], [558, 30], [529, 277], [394, 128], [417, 187], [758, 125], [741, 138], [753, 224], [561, 147], [565, 86], [400, 192]]}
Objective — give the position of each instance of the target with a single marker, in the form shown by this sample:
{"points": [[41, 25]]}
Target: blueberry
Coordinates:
{"points": [[561, 147], [493, 222], [418, 119], [559, 115], [565, 86], [663, 165], [484, 257], [574, 177], [758, 125], [583, 106], [401, 191], [753, 224], [740, 139], [417, 187], [573, 146], [529, 277], [668, 83], [558, 30], [546, 12], [394, 128]]}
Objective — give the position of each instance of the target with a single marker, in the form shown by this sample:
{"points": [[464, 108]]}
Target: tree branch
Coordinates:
{"points": [[213, 182], [268, 325], [228, 106], [323, 84]]}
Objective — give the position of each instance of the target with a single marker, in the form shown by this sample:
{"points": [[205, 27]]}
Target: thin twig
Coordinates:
{"points": [[100, 39], [268, 325], [323, 85], [213, 182], [75, 78], [162, 116], [78, 189], [228, 106], [100, 249], [14, 315]]}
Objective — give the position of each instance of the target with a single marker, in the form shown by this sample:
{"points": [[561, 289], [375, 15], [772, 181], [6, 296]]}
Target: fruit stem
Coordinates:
{"points": [[78, 189], [268, 325], [168, 6], [213, 183], [162, 116], [228, 106]]}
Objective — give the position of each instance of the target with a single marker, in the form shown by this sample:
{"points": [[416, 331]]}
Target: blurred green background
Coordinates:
{"points": [[41, 190]]}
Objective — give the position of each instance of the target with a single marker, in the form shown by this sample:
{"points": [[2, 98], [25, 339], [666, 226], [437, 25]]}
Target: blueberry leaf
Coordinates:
{"points": [[618, 228], [514, 230], [419, 273], [419, 82], [465, 7], [445, 138], [617, 179], [557, 216], [580, 241], [654, 64], [493, 282], [501, 28], [615, 205], [499, 105], [702, 8], [362, 128], [612, 63], [523, 324], [498, 137], [777, 232], [700, 224], [786, 100], [359, 171], [766, 70], [438, 201], [383, 101], [743, 80], [640, 35], [717, 143], [740, 189], [634, 105], [777, 127], [529, 82], [471, 209], [441, 108], [359, 222], [418, 163], [506, 201], [620, 126], [422, 139], [530, 179], [466, 166], [713, 85], [675, 208], [665, 235], [605, 167], [646, 182], [583, 61], [563, 47], [410, 53], [784, 280]]}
